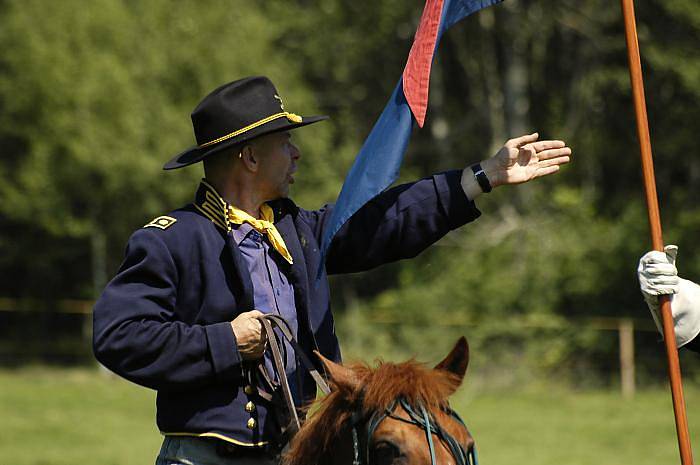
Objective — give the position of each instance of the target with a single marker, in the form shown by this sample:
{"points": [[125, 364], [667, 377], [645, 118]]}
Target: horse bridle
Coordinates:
{"points": [[418, 416]]}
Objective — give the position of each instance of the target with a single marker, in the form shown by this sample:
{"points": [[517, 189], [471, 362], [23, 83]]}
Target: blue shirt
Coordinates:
{"points": [[272, 292]]}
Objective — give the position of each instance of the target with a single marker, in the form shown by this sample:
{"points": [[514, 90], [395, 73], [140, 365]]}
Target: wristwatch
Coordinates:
{"points": [[481, 178]]}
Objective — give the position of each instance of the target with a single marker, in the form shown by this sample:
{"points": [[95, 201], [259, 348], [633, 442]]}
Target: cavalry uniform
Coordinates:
{"points": [[164, 320]]}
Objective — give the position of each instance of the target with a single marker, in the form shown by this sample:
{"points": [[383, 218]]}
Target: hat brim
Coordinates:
{"points": [[196, 154]]}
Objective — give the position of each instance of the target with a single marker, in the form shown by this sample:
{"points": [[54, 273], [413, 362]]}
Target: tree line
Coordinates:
{"points": [[95, 97]]}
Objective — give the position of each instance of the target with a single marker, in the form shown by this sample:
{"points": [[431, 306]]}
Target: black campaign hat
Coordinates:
{"points": [[237, 112]]}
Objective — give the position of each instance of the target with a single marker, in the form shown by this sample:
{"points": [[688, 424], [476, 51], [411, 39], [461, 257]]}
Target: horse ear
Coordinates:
{"points": [[457, 360], [339, 377]]}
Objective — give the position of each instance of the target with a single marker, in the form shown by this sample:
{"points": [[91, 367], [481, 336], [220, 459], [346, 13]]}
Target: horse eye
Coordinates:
{"points": [[385, 453]]}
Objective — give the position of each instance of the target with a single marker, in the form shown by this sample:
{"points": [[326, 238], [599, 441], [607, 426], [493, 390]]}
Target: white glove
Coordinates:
{"points": [[658, 276]]}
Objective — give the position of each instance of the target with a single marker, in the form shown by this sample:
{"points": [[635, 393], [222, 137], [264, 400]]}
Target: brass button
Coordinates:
{"points": [[250, 407], [248, 390], [251, 423]]}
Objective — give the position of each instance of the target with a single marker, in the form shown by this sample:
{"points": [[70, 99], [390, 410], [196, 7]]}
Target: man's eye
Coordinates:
{"points": [[385, 453]]}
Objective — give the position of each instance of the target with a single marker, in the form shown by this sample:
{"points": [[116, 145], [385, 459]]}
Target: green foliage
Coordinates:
{"points": [[94, 99]]}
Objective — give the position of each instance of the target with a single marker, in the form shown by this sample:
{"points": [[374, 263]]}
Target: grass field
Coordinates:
{"points": [[52, 417]]}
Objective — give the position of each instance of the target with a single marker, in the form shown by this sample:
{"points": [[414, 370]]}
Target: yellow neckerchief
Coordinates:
{"points": [[263, 226]]}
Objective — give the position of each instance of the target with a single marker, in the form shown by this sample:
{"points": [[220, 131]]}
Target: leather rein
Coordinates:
{"points": [[277, 348]]}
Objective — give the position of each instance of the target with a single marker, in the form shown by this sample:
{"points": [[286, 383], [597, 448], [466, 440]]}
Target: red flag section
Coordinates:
{"points": [[377, 165], [416, 75]]}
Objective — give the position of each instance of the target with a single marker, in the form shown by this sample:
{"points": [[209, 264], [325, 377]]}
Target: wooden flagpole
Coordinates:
{"points": [[674, 370]]}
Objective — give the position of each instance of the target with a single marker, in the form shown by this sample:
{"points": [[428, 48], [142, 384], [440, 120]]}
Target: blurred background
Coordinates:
{"points": [[566, 363]]}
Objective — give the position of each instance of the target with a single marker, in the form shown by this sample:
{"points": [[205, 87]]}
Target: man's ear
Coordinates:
{"points": [[339, 377], [249, 157]]}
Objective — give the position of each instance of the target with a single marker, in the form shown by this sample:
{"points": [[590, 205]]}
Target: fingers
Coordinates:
{"points": [[258, 329], [258, 351], [653, 257], [671, 252], [669, 281], [661, 290], [553, 153], [522, 140], [546, 171], [553, 162], [551, 166], [250, 337], [661, 269], [662, 285], [545, 150], [548, 144]]}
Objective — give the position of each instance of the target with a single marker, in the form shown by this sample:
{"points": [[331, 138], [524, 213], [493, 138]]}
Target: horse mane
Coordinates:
{"points": [[376, 390]]}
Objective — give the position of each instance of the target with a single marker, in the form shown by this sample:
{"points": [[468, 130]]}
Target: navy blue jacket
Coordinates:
{"points": [[164, 320]]}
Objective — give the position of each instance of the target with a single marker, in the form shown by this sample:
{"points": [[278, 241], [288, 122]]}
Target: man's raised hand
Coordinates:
{"points": [[525, 158]]}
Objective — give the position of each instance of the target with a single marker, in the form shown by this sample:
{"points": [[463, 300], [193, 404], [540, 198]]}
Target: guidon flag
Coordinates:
{"points": [[377, 164]]}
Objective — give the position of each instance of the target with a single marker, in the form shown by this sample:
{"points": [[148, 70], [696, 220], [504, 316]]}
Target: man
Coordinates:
{"points": [[658, 276], [181, 314]]}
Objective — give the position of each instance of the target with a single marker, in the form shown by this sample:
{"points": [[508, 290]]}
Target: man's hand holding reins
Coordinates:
{"points": [[250, 338]]}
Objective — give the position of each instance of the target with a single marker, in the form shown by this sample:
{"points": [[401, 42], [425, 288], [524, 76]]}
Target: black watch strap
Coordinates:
{"points": [[481, 178]]}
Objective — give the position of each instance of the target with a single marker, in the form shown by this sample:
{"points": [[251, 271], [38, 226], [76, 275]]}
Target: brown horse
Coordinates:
{"points": [[396, 413]]}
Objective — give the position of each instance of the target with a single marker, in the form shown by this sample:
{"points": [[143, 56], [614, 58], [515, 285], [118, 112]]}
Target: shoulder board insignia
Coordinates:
{"points": [[162, 222]]}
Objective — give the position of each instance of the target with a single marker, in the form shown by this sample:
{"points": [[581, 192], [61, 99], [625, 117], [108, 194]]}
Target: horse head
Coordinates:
{"points": [[395, 413]]}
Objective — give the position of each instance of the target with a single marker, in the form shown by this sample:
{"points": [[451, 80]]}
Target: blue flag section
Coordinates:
{"points": [[377, 164]]}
